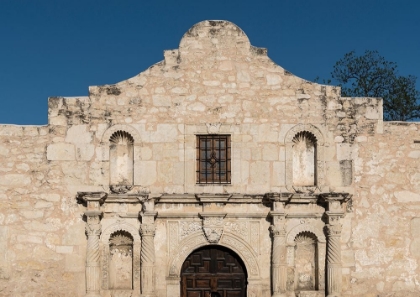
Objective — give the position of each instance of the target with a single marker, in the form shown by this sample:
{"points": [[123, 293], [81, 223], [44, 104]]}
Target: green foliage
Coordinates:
{"points": [[370, 75]]}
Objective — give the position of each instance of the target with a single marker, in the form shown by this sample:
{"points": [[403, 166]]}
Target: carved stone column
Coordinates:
{"points": [[335, 212], [278, 261], [279, 251], [334, 260], [147, 256], [93, 270], [93, 214]]}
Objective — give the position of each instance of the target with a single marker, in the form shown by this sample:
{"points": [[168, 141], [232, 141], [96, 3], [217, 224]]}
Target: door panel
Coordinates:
{"points": [[213, 269]]}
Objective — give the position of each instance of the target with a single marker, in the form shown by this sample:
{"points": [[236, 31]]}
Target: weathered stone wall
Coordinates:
{"points": [[42, 236], [382, 238], [216, 82]]}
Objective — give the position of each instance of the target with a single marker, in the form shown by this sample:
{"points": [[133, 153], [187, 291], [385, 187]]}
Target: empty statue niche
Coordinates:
{"points": [[121, 261], [306, 263], [121, 157], [304, 159]]}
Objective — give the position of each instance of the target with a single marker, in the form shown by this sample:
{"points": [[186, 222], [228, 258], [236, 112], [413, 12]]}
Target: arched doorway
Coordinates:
{"points": [[213, 269]]}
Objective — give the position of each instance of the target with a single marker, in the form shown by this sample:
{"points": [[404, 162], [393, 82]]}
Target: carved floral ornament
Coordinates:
{"points": [[213, 128], [278, 230], [147, 229]]}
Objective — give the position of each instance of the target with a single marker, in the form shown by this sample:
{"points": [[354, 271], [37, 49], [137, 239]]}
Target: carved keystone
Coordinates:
{"points": [[213, 226]]}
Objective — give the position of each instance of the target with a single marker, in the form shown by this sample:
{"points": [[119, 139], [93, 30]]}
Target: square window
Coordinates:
{"points": [[213, 159]]}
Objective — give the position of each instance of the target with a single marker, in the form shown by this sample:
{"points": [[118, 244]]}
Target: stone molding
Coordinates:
{"points": [[206, 198]]}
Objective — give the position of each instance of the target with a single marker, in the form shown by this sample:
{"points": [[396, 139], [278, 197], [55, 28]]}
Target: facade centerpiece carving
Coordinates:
{"points": [[212, 215], [213, 226]]}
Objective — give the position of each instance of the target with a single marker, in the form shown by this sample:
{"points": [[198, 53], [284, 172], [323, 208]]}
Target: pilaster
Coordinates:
{"points": [[93, 231], [335, 211], [279, 248], [147, 256]]}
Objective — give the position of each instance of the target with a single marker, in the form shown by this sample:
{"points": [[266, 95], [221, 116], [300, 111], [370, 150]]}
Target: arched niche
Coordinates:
{"points": [[111, 238], [306, 252], [306, 264], [120, 275], [304, 158], [127, 128], [121, 158]]}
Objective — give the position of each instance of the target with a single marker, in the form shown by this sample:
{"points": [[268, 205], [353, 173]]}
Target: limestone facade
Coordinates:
{"points": [[313, 192]]}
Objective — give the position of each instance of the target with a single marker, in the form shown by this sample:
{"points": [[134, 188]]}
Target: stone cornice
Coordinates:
{"points": [[175, 215], [307, 198], [91, 197], [211, 198]]}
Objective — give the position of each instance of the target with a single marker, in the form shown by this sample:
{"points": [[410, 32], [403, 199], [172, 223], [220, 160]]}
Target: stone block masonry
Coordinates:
{"points": [[311, 193]]}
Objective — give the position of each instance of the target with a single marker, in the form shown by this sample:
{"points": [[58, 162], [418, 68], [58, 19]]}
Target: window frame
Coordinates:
{"points": [[214, 162]]}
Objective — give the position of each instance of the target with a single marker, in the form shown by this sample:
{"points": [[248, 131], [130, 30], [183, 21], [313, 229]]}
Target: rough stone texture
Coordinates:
{"points": [[217, 83]]}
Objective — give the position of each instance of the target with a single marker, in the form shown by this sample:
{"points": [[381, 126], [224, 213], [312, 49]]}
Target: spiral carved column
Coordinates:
{"points": [[335, 211], [147, 255], [334, 260], [147, 259], [278, 261], [279, 248], [93, 231]]}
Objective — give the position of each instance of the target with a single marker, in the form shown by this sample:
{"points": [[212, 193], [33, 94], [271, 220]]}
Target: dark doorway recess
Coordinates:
{"points": [[211, 270]]}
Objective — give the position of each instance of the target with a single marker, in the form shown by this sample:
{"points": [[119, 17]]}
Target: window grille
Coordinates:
{"points": [[213, 159]]}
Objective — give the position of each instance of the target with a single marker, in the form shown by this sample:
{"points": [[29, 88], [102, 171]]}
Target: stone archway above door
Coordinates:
{"points": [[213, 269], [236, 244]]}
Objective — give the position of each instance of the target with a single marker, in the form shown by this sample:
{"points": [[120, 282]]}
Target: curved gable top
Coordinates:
{"points": [[221, 36], [217, 41]]}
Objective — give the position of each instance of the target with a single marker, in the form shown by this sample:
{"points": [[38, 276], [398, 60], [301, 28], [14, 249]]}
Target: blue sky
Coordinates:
{"points": [[59, 48]]}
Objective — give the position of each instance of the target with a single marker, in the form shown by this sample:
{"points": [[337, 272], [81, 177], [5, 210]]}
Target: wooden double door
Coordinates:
{"points": [[213, 271]]}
